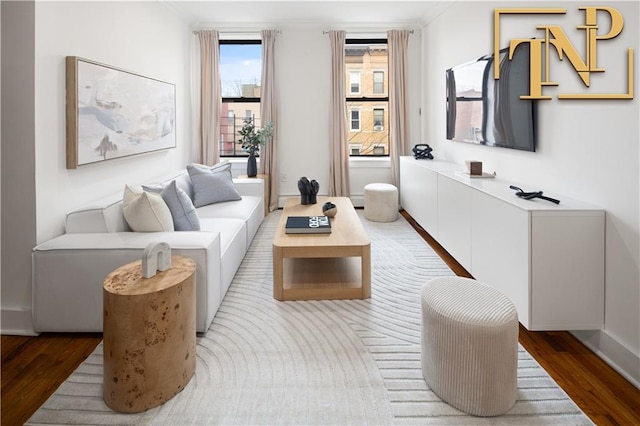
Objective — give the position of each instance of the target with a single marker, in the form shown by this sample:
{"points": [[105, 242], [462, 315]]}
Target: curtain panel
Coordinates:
{"points": [[210, 99], [338, 142], [269, 113], [398, 118]]}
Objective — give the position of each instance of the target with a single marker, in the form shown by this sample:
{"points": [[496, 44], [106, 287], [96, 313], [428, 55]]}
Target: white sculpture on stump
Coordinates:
{"points": [[156, 257]]}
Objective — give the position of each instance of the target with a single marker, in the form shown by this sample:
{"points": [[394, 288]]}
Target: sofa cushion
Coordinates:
{"points": [[233, 247], [227, 228], [212, 185], [185, 217], [249, 208], [102, 216], [241, 209], [68, 272], [145, 212]]}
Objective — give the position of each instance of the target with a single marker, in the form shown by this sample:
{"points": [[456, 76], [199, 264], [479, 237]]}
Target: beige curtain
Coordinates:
{"points": [[398, 120], [338, 143], [210, 99], [269, 113]]}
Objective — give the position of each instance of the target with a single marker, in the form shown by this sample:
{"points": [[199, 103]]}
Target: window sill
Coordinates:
{"points": [[238, 160], [369, 162]]}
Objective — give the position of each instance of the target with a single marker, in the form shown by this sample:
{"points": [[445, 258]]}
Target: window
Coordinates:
{"points": [[355, 120], [354, 82], [378, 82], [367, 97], [240, 82], [378, 119]]}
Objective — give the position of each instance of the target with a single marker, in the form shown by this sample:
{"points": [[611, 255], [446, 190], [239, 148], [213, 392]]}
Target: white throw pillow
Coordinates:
{"points": [[145, 212]]}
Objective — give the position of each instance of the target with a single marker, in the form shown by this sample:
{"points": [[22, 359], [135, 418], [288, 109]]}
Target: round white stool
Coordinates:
{"points": [[470, 345], [380, 202]]}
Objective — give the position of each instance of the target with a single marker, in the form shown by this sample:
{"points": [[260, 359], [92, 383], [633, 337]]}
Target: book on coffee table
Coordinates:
{"points": [[308, 225]]}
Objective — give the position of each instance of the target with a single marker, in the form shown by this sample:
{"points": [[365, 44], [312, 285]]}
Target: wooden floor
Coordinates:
{"points": [[34, 367]]}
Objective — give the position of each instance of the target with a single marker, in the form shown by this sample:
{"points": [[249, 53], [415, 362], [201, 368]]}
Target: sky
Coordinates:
{"points": [[239, 64]]}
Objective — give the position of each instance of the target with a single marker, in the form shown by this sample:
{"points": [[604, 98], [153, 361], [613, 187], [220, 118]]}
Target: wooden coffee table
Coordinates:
{"points": [[322, 266]]}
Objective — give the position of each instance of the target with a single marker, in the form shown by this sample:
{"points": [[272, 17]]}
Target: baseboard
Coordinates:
{"points": [[357, 200], [613, 353], [16, 322]]}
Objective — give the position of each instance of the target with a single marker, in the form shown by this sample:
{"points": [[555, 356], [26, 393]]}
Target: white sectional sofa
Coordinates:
{"points": [[68, 270]]}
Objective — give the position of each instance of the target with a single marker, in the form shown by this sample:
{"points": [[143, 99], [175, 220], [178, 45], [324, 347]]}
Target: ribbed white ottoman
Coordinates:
{"points": [[380, 202], [470, 345]]}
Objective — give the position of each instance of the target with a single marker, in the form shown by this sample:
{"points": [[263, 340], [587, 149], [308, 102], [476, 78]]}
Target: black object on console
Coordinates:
{"points": [[422, 151], [531, 195]]}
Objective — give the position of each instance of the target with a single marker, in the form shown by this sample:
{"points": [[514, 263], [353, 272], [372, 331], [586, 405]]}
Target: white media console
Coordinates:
{"points": [[547, 258]]}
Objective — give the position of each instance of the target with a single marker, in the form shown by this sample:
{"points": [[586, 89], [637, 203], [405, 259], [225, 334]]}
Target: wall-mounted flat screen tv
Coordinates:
{"points": [[490, 112]]}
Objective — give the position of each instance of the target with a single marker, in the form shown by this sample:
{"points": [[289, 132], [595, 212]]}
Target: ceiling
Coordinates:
{"points": [[296, 12]]}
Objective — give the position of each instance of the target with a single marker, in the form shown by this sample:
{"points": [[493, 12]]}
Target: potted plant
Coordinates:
{"points": [[251, 139]]}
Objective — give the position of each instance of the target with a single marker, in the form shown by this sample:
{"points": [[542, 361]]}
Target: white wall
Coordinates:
{"points": [[303, 67], [304, 78], [587, 150], [143, 37]]}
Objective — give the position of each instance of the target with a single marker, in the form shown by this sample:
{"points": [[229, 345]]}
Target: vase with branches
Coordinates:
{"points": [[251, 138]]}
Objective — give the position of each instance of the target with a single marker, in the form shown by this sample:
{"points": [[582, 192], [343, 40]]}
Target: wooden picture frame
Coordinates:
{"points": [[114, 113]]}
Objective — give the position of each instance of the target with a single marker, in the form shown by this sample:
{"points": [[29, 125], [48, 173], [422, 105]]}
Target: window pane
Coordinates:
{"points": [[354, 83], [371, 134], [378, 82], [355, 120], [240, 70], [378, 119], [236, 113], [368, 71]]}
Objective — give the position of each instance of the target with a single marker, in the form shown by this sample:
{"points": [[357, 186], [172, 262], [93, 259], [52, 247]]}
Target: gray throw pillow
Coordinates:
{"points": [[224, 164], [185, 217], [212, 185]]}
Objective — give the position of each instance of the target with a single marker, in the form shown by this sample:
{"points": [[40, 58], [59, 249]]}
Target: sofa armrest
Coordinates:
{"points": [[250, 186], [68, 272]]}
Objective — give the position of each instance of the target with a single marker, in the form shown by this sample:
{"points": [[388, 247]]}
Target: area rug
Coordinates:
{"points": [[347, 362]]}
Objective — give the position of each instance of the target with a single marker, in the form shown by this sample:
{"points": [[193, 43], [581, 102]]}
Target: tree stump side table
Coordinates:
{"points": [[149, 335]]}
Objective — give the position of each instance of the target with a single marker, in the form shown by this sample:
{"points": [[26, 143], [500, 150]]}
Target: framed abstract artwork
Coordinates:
{"points": [[113, 113]]}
